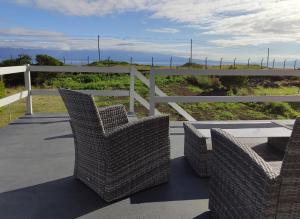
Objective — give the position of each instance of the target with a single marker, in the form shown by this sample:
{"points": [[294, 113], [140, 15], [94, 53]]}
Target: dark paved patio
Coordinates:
{"points": [[36, 165]]}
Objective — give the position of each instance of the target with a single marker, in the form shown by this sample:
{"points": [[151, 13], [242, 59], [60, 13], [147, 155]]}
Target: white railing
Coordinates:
{"points": [[131, 93], [29, 92], [156, 95], [213, 99]]}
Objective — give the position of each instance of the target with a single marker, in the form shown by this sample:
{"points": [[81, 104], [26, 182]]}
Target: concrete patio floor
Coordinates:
{"points": [[36, 166]]}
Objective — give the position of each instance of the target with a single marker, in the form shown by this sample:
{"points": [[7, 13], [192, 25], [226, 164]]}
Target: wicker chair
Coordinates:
{"points": [[197, 150], [243, 185], [113, 157]]}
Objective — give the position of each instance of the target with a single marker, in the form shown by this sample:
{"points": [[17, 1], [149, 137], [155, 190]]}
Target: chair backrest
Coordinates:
{"points": [[288, 203], [85, 118]]}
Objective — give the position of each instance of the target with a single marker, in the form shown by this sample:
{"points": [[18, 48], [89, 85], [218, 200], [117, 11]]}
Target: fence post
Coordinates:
{"points": [[27, 77], [131, 91], [152, 93]]}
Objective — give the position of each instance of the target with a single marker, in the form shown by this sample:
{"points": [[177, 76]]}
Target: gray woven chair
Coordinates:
{"points": [[196, 149], [243, 185], [113, 157]]}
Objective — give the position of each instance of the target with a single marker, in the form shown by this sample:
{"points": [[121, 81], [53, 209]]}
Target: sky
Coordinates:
{"points": [[219, 28]]}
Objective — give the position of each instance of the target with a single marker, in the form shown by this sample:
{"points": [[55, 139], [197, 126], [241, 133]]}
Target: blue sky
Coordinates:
{"points": [[219, 28]]}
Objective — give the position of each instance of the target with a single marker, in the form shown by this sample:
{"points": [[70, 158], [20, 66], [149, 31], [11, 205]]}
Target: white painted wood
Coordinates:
{"points": [[12, 70], [131, 91], [83, 69], [27, 77], [252, 132], [109, 93], [13, 98], [159, 92], [227, 99], [144, 102], [217, 72]]}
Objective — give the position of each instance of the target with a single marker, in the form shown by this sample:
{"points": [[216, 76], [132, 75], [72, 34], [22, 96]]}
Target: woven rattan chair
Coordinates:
{"points": [[243, 185], [115, 157]]}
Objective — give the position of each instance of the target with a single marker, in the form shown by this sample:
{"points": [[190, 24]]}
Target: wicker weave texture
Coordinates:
{"points": [[243, 185], [113, 157], [195, 150]]}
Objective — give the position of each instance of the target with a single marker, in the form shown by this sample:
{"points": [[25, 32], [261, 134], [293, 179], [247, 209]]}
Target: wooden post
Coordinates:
{"points": [[131, 91], [152, 62], [273, 65], [88, 60], [221, 63], [261, 63], [99, 57], [234, 63], [248, 62], [191, 60], [27, 76], [171, 61], [268, 57], [295, 64], [205, 62], [152, 94]]}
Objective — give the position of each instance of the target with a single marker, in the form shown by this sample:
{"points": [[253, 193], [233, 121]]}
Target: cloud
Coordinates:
{"points": [[163, 30], [37, 39], [235, 22]]}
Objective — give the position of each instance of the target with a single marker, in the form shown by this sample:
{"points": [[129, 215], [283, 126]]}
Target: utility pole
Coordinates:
{"points": [[191, 57], [221, 63], [261, 63], [234, 63], [99, 57], [268, 57]]}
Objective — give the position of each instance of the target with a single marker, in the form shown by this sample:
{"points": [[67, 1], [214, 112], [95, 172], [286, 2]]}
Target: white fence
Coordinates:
{"points": [[213, 99], [131, 93], [156, 95]]}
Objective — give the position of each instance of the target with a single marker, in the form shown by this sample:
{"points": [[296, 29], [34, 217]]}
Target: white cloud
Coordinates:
{"points": [[163, 30], [37, 39], [244, 22]]}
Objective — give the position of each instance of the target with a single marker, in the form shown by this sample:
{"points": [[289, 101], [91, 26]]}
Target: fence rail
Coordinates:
{"points": [[214, 99], [156, 95]]}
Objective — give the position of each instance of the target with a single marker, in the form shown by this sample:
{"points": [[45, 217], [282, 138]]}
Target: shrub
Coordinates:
{"points": [[233, 83], [47, 60]]}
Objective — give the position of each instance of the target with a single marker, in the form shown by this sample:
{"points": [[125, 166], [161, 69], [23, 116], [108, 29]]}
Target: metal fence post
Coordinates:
{"points": [[152, 93], [27, 77], [131, 91]]}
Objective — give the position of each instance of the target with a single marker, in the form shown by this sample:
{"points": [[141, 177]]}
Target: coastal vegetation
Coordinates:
{"points": [[171, 85]]}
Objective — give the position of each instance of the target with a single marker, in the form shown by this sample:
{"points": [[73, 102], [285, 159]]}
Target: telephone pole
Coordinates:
{"points": [[191, 59], [268, 57], [99, 57]]}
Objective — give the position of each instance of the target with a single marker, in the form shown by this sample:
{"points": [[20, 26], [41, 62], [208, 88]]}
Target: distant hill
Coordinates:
{"points": [[81, 57]]}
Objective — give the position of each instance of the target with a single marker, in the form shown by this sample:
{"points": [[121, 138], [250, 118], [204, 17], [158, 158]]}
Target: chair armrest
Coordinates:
{"points": [[113, 116], [247, 185], [135, 143], [230, 150], [194, 137]]}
